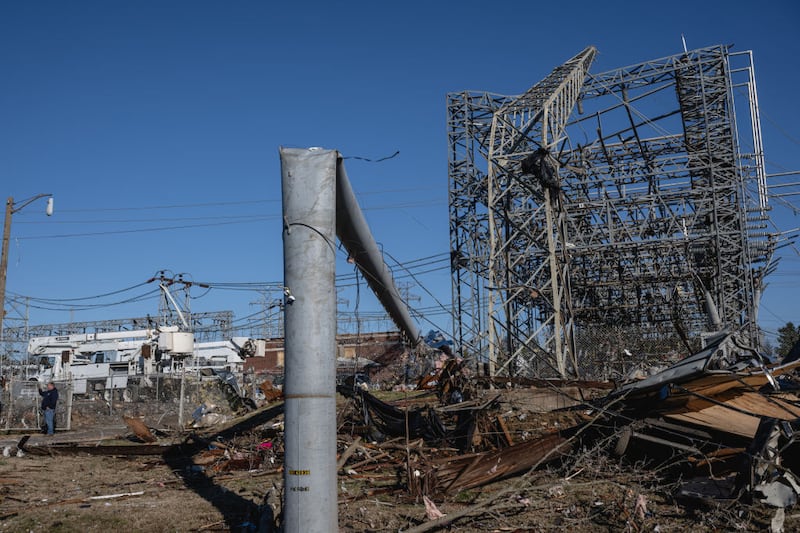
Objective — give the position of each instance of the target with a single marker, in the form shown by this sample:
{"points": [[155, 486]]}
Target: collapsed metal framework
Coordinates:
{"points": [[598, 215]]}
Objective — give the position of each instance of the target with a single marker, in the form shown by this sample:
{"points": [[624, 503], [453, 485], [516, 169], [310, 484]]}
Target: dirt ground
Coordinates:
{"points": [[590, 491]]}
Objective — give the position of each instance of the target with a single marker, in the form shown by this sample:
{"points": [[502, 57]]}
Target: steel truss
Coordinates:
{"points": [[601, 215], [206, 326]]}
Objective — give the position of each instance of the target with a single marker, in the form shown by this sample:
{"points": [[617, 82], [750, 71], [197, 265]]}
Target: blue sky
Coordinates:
{"points": [[156, 114]]}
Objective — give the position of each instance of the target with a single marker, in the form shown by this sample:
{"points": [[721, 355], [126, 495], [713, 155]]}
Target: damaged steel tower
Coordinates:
{"points": [[602, 221]]}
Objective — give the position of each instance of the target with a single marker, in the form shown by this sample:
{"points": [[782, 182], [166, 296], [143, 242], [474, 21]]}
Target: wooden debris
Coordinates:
{"points": [[138, 427], [114, 496], [501, 422], [207, 457], [248, 462], [464, 472], [734, 411], [348, 452], [382, 455], [271, 393], [431, 510], [243, 423], [99, 449]]}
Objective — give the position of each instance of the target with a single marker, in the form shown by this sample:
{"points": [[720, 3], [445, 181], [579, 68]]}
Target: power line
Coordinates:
{"points": [[245, 220], [93, 297], [139, 220], [229, 203], [46, 306], [171, 206], [146, 230]]}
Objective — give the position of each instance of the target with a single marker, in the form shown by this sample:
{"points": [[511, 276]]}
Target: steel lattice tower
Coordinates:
{"points": [[602, 214]]}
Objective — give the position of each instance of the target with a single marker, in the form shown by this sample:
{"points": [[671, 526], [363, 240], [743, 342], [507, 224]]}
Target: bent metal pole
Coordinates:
{"points": [[308, 179], [354, 234]]}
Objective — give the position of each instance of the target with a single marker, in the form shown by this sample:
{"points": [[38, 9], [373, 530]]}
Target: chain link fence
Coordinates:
{"points": [[618, 352], [102, 402], [603, 353]]}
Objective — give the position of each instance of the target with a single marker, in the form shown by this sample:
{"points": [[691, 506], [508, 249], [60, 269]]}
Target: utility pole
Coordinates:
{"points": [[318, 205], [12, 208], [4, 262], [168, 303], [27, 322], [309, 214]]}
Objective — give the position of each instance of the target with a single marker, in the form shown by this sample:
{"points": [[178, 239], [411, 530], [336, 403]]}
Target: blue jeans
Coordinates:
{"points": [[49, 416]]}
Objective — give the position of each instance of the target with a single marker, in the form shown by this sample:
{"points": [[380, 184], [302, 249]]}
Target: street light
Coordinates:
{"points": [[12, 208]]}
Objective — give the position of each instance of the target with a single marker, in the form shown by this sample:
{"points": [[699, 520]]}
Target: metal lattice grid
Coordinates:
{"points": [[207, 326], [600, 215]]}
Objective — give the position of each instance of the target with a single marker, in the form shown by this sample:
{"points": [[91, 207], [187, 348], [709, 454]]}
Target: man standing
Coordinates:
{"points": [[49, 400]]}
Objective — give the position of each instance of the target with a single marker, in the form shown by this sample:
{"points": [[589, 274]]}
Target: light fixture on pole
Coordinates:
{"points": [[11, 208]]}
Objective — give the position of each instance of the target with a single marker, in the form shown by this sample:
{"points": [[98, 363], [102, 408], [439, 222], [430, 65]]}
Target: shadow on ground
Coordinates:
{"points": [[240, 514]]}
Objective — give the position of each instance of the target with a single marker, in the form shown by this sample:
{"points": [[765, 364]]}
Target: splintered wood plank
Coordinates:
{"points": [[738, 414], [722, 419], [504, 428], [713, 384], [486, 468]]}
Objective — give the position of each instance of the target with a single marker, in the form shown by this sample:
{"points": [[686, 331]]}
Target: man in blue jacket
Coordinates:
{"points": [[49, 400]]}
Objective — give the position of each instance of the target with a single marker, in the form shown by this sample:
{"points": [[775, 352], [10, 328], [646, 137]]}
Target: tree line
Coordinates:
{"points": [[788, 336]]}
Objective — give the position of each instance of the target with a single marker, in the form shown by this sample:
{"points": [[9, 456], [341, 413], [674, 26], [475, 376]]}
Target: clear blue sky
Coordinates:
{"points": [[121, 109]]}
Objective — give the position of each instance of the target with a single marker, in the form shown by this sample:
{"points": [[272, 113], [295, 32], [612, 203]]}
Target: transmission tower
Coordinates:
{"points": [[601, 214]]}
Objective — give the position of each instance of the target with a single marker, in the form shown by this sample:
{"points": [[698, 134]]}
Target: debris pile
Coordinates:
{"points": [[728, 412], [715, 428], [722, 420]]}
